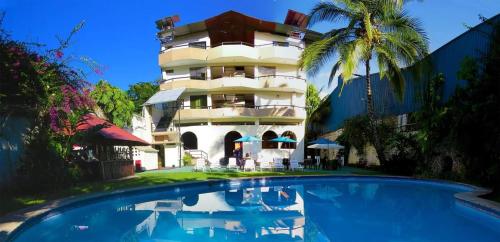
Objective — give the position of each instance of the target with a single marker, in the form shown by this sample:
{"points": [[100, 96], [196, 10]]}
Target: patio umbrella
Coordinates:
{"points": [[248, 139], [284, 139], [324, 144], [334, 146]]}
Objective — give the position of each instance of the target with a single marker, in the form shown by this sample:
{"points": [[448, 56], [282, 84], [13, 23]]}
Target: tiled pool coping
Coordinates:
{"points": [[15, 222]]}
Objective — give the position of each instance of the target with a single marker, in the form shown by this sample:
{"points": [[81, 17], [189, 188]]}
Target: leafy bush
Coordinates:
{"points": [[187, 159], [404, 154]]}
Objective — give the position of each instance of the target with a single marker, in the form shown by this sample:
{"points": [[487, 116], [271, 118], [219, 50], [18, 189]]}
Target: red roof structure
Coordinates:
{"points": [[108, 133], [295, 18]]}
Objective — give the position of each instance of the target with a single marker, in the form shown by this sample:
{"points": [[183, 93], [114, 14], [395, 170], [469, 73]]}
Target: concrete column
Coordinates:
{"points": [[209, 73]]}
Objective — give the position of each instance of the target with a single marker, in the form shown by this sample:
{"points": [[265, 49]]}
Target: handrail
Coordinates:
{"points": [[207, 78], [249, 106], [276, 43], [203, 154]]}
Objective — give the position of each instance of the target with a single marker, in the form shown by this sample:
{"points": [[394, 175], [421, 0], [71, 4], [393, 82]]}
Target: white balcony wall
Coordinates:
{"points": [[263, 38], [180, 71], [184, 40], [263, 99]]}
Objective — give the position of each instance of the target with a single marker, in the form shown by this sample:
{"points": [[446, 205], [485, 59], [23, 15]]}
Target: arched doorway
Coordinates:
{"points": [[266, 137], [290, 135], [189, 141], [230, 145]]}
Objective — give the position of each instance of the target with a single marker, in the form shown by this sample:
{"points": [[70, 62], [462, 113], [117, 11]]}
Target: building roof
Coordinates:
{"points": [[165, 96], [108, 133], [253, 23]]}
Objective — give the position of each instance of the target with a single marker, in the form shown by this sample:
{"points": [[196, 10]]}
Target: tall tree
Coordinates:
{"points": [[114, 102], [376, 29], [140, 92], [312, 99]]}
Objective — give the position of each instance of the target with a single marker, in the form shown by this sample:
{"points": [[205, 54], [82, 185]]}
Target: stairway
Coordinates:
{"points": [[198, 154], [163, 123]]}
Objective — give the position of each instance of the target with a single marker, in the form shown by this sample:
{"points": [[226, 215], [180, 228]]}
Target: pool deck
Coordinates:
{"points": [[10, 222]]}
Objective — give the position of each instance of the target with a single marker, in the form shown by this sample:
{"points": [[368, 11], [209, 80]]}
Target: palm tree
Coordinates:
{"points": [[376, 29]]}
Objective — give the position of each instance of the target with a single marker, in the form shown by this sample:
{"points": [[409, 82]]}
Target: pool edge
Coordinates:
{"points": [[30, 215]]}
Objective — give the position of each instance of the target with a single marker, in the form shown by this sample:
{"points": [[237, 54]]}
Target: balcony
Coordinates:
{"points": [[183, 55], [165, 137], [230, 52], [279, 54], [274, 112], [279, 83]]}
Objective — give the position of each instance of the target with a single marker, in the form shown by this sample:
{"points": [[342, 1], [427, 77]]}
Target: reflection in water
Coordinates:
{"points": [[293, 211], [251, 213]]}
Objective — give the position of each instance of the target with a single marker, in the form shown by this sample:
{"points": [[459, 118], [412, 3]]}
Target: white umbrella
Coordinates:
{"points": [[325, 146]]}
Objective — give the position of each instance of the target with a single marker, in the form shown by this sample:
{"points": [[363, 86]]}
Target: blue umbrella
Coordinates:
{"points": [[284, 140], [323, 141], [247, 138]]}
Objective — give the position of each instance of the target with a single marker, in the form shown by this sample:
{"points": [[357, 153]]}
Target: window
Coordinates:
{"points": [[198, 102], [266, 143], [200, 45], [290, 135], [198, 73], [169, 71], [267, 70]]}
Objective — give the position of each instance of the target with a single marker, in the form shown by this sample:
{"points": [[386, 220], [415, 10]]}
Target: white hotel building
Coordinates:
{"points": [[223, 78]]}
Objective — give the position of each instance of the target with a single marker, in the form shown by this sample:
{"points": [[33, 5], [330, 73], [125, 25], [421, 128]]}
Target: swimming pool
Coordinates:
{"points": [[272, 209]]}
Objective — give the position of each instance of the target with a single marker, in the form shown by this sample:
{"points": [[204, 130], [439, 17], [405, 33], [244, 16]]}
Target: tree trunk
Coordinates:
{"points": [[379, 148]]}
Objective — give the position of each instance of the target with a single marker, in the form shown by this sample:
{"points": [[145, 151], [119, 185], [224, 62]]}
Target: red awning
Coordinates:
{"points": [[109, 133]]}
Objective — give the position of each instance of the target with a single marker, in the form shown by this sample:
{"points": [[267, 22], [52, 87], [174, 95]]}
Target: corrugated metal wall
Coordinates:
{"points": [[445, 60]]}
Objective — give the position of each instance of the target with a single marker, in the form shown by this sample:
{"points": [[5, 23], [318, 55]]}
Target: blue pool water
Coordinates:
{"points": [[293, 209]]}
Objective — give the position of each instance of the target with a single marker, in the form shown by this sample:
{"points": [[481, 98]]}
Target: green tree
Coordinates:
{"points": [[376, 29], [312, 99], [140, 92], [114, 102]]}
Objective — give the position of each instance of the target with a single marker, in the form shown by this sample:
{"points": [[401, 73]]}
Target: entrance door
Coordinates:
{"points": [[161, 155]]}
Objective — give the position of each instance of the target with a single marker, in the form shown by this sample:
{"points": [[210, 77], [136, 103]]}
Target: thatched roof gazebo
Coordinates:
{"points": [[109, 145]]}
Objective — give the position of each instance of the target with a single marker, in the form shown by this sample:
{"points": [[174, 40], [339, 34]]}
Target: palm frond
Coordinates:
{"points": [[333, 72], [326, 12]]}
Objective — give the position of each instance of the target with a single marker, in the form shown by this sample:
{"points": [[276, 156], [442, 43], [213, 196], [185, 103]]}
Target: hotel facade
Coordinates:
{"points": [[223, 78]]}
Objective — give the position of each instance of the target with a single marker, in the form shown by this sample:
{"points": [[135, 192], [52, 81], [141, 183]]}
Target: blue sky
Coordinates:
{"points": [[120, 35]]}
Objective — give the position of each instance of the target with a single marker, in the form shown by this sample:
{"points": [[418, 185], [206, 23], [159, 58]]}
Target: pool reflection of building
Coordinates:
{"points": [[267, 213]]}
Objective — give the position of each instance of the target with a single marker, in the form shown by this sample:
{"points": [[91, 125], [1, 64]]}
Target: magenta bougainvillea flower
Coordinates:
{"points": [[59, 54]]}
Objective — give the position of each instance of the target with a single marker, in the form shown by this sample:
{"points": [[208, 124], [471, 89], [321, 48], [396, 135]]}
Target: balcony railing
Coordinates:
{"points": [[282, 83], [220, 77], [192, 45], [249, 111], [197, 53]]}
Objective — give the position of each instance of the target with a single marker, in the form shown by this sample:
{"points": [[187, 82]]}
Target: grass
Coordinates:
{"points": [[150, 178]]}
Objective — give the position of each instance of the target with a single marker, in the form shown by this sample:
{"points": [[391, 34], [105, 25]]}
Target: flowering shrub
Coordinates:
{"points": [[43, 88]]}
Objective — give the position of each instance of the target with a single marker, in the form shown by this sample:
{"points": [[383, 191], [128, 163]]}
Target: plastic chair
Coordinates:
{"points": [[200, 165], [265, 165], [278, 163], [232, 163], [294, 165], [214, 165], [249, 165]]}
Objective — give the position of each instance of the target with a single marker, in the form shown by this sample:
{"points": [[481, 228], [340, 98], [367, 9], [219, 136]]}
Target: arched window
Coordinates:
{"points": [[189, 141], [266, 143], [230, 145], [290, 135]]}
